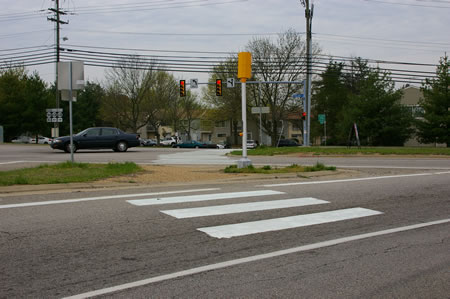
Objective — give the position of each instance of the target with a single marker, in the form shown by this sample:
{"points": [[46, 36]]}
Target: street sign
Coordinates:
{"points": [[54, 115], [321, 118], [230, 82], [298, 95], [257, 110], [194, 83]]}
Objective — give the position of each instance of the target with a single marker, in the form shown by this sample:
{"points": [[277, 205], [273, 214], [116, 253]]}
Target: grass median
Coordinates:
{"points": [[66, 172], [270, 170], [345, 151]]}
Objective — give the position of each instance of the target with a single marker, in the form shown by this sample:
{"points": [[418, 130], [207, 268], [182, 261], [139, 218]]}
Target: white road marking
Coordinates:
{"points": [[254, 227], [17, 162], [12, 162], [53, 202], [200, 156], [243, 207], [355, 180], [253, 258], [204, 197]]}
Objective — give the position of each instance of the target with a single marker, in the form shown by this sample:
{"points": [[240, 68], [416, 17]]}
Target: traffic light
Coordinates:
{"points": [[303, 115], [219, 87], [182, 88]]}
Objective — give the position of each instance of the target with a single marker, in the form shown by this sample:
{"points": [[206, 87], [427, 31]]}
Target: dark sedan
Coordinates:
{"points": [[288, 142], [98, 138], [195, 144]]}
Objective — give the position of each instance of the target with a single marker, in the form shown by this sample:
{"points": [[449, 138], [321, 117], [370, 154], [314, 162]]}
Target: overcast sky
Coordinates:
{"points": [[398, 30]]}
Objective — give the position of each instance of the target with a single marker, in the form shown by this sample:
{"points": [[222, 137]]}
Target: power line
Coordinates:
{"points": [[148, 7], [409, 4]]}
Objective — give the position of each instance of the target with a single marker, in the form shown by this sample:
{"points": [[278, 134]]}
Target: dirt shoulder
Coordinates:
{"points": [[159, 176]]}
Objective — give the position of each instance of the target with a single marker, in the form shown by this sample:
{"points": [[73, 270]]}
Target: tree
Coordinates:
{"points": [[228, 106], [375, 107], [190, 108], [330, 97], [282, 60], [23, 101], [162, 103], [358, 93], [435, 125], [127, 91], [85, 111], [37, 100]]}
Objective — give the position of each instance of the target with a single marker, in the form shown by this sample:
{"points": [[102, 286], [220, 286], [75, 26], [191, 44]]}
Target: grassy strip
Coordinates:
{"points": [[66, 172], [271, 151], [269, 170]]}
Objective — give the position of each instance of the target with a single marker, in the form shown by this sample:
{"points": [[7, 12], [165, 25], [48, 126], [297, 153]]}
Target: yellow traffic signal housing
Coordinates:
{"points": [[244, 66], [182, 88], [219, 87]]}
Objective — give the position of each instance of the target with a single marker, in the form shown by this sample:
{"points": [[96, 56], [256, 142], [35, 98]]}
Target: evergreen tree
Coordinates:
{"points": [[358, 93], [435, 125], [330, 98]]}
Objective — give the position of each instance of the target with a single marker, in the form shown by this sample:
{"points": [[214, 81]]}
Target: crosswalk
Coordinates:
{"points": [[253, 227]]}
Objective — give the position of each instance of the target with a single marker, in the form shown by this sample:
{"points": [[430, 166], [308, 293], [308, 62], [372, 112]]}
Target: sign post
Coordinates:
{"points": [[323, 121], [244, 73], [71, 77]]}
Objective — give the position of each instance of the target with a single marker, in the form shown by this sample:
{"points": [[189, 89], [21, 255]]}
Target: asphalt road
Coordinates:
{"points": [[26, 155], [371, 238]]}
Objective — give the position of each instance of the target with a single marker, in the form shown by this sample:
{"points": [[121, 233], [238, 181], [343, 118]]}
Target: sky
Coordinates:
{"points": [[414, 31]]}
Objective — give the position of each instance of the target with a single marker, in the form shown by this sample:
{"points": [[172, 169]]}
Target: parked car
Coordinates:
{"points": [[287, 142], [195, 144], [148, 142], [223, 144], [251, 144], [21, 139], [42, 140], [98, 138], [168, 141]]}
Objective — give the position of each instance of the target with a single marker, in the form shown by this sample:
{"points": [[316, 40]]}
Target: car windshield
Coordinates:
{"points": [[82, 132]]}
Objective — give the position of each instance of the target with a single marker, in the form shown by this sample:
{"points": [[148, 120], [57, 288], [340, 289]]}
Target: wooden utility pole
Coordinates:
{"points": [[57, 21]]}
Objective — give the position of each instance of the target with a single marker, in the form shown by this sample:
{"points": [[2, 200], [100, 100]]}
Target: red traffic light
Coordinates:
{"points": [[219, 87], [182, 88], [303, 115]]}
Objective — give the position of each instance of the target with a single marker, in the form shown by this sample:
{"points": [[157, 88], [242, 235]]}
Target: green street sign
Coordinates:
{"points": [[321, 118]]}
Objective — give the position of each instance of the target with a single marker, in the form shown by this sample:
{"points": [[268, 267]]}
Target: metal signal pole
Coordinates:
{"points": [[308, 16]]}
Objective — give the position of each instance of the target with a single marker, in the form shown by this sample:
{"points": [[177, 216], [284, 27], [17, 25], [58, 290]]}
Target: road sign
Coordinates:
{"points": [[54, 115], [194, 83], [230, 83], [298, 95], [257, 110], [321, 118]]}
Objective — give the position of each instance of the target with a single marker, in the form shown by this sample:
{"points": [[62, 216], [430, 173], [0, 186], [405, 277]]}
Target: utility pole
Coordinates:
{"points": [[57, 21], [308, 16]]}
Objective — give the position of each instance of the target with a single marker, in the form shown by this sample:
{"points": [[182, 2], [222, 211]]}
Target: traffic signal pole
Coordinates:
{"points": [[308, 16]]}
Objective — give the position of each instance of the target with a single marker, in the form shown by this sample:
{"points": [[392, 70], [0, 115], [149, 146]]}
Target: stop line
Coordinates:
{"points": [[254, 227]]}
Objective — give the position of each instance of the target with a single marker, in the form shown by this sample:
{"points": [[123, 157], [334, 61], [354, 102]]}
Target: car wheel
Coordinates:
{"points": [[67, 147], [122, 146]]}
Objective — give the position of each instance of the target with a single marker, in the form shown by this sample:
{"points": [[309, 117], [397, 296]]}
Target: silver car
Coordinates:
{"points": [[251, 144]]}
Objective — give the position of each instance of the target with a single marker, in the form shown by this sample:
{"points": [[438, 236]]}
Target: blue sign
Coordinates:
{"points": [[298, 95]]}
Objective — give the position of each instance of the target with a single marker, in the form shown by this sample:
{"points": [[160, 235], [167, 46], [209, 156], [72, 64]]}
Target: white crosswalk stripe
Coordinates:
{"points": [[253, 227], [247, 228], [203, 197], [243, 207]]}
